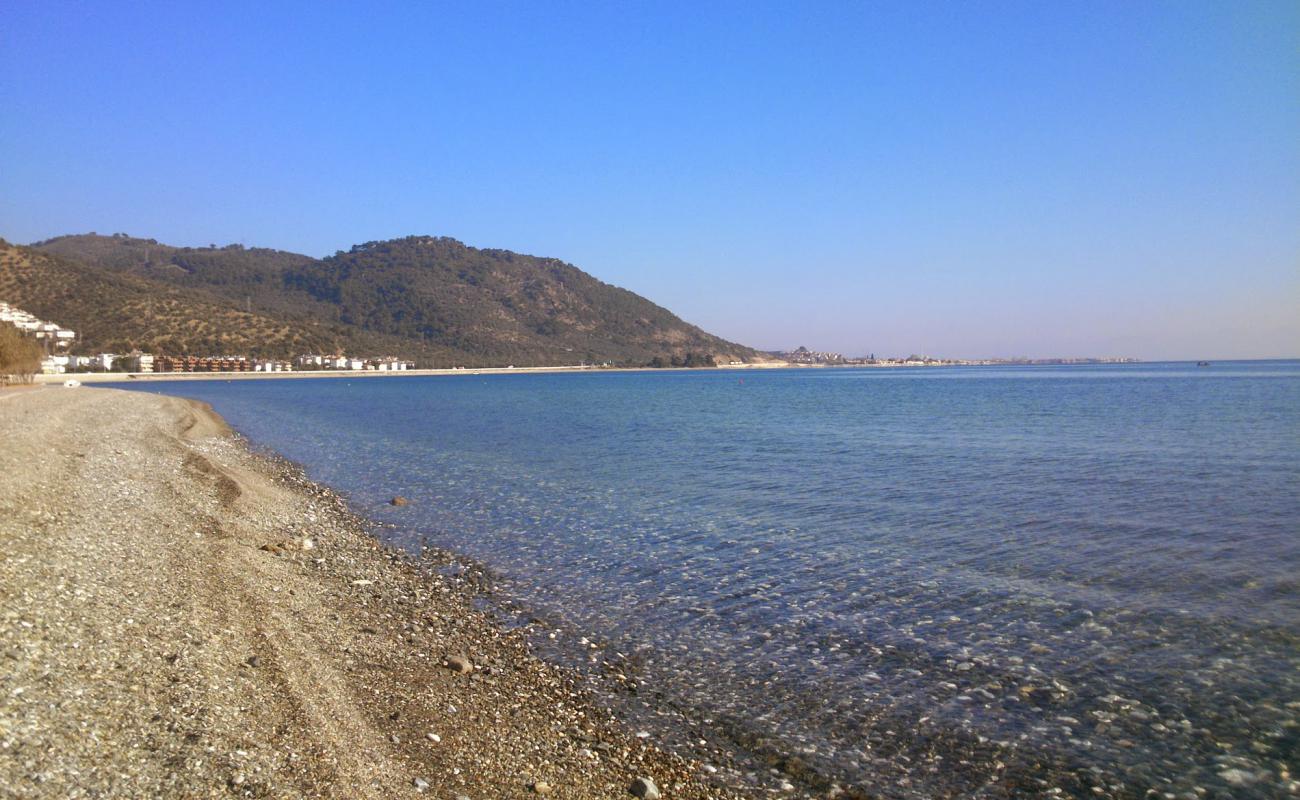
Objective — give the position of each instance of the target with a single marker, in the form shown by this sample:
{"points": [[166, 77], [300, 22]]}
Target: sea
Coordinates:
{"points": [[994, 581]]}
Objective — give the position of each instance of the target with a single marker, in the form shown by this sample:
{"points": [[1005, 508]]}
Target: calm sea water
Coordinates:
{"points": [[921, 582]]}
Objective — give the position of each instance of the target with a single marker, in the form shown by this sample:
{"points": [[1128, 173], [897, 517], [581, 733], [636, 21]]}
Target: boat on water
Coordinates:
{"points": [[1202, 363]]}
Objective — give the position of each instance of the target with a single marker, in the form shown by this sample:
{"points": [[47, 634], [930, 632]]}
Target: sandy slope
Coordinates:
{"points": [[150, 648]]}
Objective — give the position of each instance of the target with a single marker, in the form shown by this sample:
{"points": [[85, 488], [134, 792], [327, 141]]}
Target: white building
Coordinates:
{"points": [[24, 321]]}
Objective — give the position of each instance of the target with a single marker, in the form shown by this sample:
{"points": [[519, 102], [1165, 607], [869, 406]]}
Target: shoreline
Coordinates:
{"points": [[184, 617], [121, 377], [118, 377]]}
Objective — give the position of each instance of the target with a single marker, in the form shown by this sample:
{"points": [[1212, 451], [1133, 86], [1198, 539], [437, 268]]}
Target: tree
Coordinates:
{"points": [[694, 359], [20, 356]]}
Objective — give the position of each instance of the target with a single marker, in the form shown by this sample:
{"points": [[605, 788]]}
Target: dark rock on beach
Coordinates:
{"points": [[459, 664], [645, 788]]}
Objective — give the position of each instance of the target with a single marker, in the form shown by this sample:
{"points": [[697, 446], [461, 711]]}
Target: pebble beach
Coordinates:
{"points": [[185, 618]]}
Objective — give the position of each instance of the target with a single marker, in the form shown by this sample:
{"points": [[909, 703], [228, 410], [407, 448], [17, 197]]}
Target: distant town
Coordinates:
{"points": [[805, 357], [58, 340]]}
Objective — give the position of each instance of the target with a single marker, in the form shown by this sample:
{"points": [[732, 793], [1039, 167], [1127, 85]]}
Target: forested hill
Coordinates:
{"points": [[116, 311], [431, 298]]}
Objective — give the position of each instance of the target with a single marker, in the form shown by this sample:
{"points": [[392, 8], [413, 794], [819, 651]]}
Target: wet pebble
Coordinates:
{"points": [[1237, 777]]}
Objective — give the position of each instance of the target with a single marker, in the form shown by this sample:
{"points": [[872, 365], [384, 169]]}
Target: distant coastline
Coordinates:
{"points": [[120, 377]]}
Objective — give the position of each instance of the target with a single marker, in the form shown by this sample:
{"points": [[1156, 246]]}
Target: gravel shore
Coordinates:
{"points": [[183, 618]]}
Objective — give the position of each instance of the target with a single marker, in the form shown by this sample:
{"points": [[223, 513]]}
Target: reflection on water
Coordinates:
{"points": [[983, 581]]}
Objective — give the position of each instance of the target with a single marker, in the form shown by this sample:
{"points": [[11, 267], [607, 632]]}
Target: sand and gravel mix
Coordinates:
{"points": [[182, 618]]}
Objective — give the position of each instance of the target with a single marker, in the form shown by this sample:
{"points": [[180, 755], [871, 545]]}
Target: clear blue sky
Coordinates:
{"points": [[967, 179]]}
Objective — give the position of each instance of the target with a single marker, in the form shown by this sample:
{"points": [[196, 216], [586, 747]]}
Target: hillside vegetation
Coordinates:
{"points": [[430, 298], [118, 311]]}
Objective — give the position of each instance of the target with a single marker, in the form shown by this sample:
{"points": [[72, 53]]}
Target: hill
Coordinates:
{"points": [[120, 311], [433, 298]]}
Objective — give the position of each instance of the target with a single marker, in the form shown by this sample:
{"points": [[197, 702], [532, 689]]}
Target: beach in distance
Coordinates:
{"points": [[115, 377], [995, 582]]}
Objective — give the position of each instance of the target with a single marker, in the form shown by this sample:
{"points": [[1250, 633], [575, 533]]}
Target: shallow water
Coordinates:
{"points": [[921, 582]]}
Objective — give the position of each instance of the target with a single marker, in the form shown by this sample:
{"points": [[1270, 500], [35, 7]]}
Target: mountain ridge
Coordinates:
{"points": [[433, 298]]}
